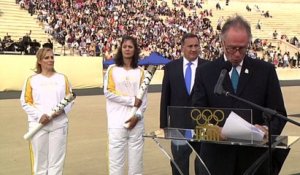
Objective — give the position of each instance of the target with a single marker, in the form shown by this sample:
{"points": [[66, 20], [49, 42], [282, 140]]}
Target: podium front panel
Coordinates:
{"points": [[189, 117], [167, 139], [283, 142], [214, 123]]}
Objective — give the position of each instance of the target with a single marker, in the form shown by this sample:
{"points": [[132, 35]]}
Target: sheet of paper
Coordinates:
{"points": [[237, 128]]}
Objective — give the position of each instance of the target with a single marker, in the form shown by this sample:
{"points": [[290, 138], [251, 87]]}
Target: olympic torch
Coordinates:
{"points": [[141, 92], [60, 106]]}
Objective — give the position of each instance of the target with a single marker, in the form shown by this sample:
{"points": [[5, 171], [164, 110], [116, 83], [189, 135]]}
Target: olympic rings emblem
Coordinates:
{"points": [[207, 116]]}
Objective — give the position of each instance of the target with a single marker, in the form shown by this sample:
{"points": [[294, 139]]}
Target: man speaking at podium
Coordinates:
{"points": [[250, 79]]}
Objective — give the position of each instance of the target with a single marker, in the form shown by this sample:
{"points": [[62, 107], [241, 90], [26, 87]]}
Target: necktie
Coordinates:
{"points": [[188, 77], [234, 78]]}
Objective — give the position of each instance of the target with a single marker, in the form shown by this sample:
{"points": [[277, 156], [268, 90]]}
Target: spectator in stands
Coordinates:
{"points": [[286, 59], [227, 2], [74, 46], [258, 25], [92, 49], [8, 43], [248, 8], [22, 4], [198, 4], [34, 47], [275, 34], [256, 8], [26, 42], [294, 61], [7, 37], [275, 60], [267, 14], [31, 8], [19, 46], [294, 40], [218, 6], [280, 60], [284, 37], [220, 23], [49, 44]]}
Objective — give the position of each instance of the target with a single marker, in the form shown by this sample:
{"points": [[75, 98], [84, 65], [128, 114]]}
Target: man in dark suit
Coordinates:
{"points": [[255, 81], [177, 90]]}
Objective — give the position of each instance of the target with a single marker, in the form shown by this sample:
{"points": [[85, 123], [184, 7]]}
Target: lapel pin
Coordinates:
{"points": [[246, 71]]}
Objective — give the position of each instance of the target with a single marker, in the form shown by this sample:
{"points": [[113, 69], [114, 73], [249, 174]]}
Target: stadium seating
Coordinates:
{"points": [[16, 22], [285, 16]]}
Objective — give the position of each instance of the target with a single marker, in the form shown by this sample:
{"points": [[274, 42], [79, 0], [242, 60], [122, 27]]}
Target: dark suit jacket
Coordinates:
{"points": [[258, 83], [173, 90]]}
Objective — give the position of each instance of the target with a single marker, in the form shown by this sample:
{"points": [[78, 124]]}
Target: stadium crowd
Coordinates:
{"points": [[94, 27]]}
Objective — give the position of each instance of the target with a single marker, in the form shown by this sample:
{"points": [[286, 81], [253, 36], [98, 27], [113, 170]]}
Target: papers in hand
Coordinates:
{"points": [[237, 128]]}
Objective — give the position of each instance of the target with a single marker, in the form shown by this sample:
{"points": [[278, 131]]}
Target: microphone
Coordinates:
{"points": [[219, 85]]}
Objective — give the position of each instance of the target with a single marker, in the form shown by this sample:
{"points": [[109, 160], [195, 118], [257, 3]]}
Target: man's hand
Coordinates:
{"points": [[222, 137], [132, 122], [263, 128], [137, 102]]}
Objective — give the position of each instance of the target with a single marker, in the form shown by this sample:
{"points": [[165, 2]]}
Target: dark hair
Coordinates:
{"points": [[236, 21], [186, 36], [48, 45], [119, 56]]}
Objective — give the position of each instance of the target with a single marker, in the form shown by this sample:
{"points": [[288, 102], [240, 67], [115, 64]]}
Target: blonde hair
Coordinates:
{"points": [[41, 53]]}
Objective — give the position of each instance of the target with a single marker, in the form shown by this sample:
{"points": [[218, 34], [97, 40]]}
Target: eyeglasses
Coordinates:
{"points": [[233, 50]]}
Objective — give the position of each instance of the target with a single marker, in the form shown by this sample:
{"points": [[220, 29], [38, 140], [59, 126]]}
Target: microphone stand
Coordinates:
{"points": [[268, 113]]}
